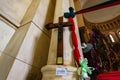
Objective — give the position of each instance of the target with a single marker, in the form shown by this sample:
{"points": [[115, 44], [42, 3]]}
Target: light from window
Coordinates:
{"points": [[111, 37], [119, 32]]}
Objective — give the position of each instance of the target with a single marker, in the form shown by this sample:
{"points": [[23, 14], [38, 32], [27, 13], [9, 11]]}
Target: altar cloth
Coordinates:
{"points": [[109, 76]]}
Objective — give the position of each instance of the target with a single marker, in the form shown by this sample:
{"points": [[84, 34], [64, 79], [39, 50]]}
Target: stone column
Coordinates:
{"points": [[76, 30], [49, 71], [24, 43], [68, 46]]}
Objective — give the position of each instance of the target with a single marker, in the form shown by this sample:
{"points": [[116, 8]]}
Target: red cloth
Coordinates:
{"points": [[74, 41], [109, 76]]}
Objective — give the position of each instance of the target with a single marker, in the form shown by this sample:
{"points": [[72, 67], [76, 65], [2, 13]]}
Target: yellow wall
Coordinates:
{"points": [[24, 38]]}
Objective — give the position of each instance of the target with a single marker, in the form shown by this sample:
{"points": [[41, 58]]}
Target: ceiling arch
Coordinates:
{"points": [[101, 15]]}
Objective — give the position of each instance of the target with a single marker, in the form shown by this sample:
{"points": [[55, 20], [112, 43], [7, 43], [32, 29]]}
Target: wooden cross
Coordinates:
{"points": [[60, 25]]}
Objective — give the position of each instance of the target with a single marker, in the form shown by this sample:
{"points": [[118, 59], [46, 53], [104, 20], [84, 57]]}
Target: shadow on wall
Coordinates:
{"points": [[42, 46], [40, 58]]}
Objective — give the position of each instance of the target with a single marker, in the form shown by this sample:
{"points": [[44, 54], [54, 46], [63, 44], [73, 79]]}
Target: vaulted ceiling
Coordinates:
{"points": [[100, 15]]}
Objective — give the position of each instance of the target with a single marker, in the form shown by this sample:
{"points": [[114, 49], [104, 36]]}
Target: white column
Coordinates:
{"points": [[53, 44], [76, 30], [49, 71], [68, 46]]}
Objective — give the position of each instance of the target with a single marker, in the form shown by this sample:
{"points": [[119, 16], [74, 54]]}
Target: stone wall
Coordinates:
{"points": [[24, 42]]}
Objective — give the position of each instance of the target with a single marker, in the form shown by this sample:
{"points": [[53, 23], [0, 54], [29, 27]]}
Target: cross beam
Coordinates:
{"points": [[60, 25]]}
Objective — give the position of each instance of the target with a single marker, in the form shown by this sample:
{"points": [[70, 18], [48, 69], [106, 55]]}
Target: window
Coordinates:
{"points": [[119, 33], [111, 38]]}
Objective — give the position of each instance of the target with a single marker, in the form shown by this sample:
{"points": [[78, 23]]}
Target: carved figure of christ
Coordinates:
{"points": [[60, 25]]}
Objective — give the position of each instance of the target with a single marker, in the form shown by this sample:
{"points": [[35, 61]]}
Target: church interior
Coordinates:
{"points": [[30, 50]]}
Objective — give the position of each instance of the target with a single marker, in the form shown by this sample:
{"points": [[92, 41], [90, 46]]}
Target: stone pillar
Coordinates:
{"points": [[77, 32], [24, 42], [49, 71], [68, 48]]}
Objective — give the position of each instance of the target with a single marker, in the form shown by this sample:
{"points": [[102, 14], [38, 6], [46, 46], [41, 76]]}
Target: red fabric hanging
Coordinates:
{"points": [[74, 41]]}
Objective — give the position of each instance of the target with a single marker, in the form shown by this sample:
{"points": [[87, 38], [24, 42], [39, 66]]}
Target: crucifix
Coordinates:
{"points": [[60, 25]]}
